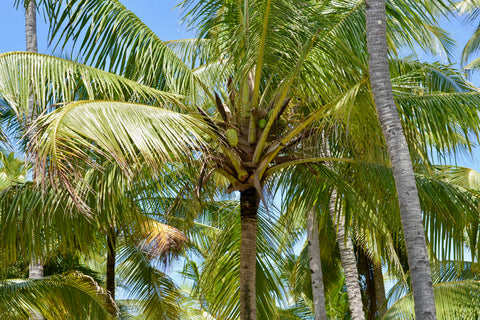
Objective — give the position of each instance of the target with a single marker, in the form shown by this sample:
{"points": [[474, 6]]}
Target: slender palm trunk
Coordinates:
{"points": [[111, 260], [379, 289], [410, 209], [36, 266], [365, 268], [31, 26], [111, 242], [349, 262], [315, 263], [249, 201], [35, 270]]}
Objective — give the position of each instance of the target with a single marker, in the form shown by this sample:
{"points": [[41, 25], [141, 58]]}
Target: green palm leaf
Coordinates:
{"points": [[124, 132], [156, 295], [453, 300], [69, 296], [60, 81], [117, 40]]}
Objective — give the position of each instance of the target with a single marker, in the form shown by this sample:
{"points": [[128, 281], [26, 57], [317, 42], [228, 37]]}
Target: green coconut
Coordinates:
{"points": [[262, 123], [232, 137]]}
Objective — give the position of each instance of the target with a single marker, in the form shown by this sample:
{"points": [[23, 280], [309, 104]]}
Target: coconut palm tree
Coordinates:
{"points": [[243, 113], [142, 240], [441, 202], [315, 264], [430, 207], [53, 296], [401, 161]]}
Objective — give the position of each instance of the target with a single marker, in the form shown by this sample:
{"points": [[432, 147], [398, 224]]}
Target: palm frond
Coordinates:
{"points": [[453, 300], [50, 80], [129, 134], [68, 296], [115, 39], [161, 240], [461, 176], [156, 295]]}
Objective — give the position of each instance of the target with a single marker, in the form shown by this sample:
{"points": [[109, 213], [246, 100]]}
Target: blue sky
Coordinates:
{"points": [[160, 16], [157, 14]]}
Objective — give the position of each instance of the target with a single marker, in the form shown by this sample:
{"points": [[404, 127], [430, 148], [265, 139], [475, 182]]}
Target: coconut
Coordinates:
{"points": [[262, 123], [232, 137]]}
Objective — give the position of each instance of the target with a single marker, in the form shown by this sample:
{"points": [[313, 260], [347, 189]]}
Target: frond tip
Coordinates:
{"points": [[161, 240]]}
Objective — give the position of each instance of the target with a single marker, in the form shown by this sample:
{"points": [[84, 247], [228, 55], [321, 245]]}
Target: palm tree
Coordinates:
{"points": [[54, 296], [401, 162], [142, 240], [31, 25], [253, 106], [36, 265], [347, 256], [315, 263]]}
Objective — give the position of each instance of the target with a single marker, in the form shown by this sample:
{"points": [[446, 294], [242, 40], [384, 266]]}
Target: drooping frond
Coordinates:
{"points": [[453, 300], [50, 80], [111, 37], [155, 293], [34, 222], [68, 296], [130, 134], [160, 240]]}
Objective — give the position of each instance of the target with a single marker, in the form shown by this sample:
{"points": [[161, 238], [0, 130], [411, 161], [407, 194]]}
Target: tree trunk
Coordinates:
{"points": [[410, 210], [365, 269], [349, 262], [379, 290], [315, 263], [36, 267], [31, 27], [35, 270], [111, 242], [111, 261], [249, 201]]}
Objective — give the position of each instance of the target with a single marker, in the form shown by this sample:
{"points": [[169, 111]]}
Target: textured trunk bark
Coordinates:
{"points": [[401, 162], [249, 201], [379, 290], [315, 263], [31, 26], [111, 260], [349, 262], [365, 269], [36, 267], [35, 270], [111, 242]]}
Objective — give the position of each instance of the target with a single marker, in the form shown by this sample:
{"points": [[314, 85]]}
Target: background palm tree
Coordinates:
{"points": [[315, 264], [36, 266], [401, 162]]}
